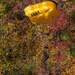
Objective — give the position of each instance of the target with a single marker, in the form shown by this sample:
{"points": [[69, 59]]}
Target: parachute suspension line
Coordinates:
{"points": [[42, 36]]}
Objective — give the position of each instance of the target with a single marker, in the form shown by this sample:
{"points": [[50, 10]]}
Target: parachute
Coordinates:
{"points": [[42, 13]]}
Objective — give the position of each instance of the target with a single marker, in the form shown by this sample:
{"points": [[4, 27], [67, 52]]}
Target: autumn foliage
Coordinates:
{"points": [[22, 43]]}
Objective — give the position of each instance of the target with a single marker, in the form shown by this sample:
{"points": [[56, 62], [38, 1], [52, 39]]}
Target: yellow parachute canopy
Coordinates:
{"points": [[40, 13]]}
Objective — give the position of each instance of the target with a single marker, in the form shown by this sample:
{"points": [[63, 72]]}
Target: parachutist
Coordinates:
{"points": [[45, 56]]}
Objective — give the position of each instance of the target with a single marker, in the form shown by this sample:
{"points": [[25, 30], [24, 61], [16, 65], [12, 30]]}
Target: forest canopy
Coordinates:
{"points": [[26, 48]]}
